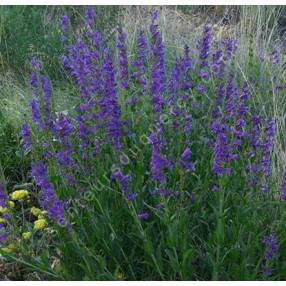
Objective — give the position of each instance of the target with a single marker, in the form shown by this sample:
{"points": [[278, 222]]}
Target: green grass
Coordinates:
{"points": [[33, 31]]}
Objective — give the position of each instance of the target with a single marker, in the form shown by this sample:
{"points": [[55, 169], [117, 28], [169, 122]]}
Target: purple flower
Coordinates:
{"points": [[34, 83], [89, 15], [123, 181], [205, 46], [65, 158], [271, 246], [222, 150], [264, 189], [80, 64], [64, 23], [3, 238], [47, 93], [110, 109], [26, 134], [154, 15], [158, 82], [188, 119], [139, 63], [217, 62], [204, 74], [230, 105], [122, 56], [3, 226], [35, 64], [49, 200], [268, 271], [243, 99], [215, 189], [230, 46], [62, 129], [185, 159], [220, 95], [159, 163], [2, 196], [275, 56], [201, 89], [36, 115], [143, 216]]}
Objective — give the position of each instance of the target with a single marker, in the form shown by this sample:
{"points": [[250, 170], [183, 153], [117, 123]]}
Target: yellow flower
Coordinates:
{"points": [[41, 216], [3, 210], [10, 248], [35, 211], [40, 224], [2, 220], [11, 204], [120, 276], [19, 195], [26, 235]]}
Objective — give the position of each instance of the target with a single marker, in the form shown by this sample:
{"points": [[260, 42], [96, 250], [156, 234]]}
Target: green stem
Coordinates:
{"points": [[219, 231]]}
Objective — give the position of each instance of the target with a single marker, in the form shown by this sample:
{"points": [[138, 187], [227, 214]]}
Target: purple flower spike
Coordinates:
{"points": [[158, 81], [110, 109], [159, 163], [205, 46], [36, 115], [185, 159], [26, 134], [217, 62], [49, 201], [64, 24], [122, 56], [89, 16], [264, 189], [35, 64], [271, 245], [139, 63], [230, 46], [123, 181], [2, 196]]}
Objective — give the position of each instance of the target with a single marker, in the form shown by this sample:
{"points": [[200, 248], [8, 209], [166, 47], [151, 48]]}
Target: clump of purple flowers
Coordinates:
{"points": [[195, 109]]}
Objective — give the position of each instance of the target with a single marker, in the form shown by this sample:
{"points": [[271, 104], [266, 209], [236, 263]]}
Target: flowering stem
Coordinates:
{"points": [[219, 230]]}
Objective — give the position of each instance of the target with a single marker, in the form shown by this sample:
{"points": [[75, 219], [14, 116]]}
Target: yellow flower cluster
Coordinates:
{"points": [[40, 224], [11, 204], [3, 210], [36, 212], [2, 220], [26, 235], [19, 195], [11, 248]]}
